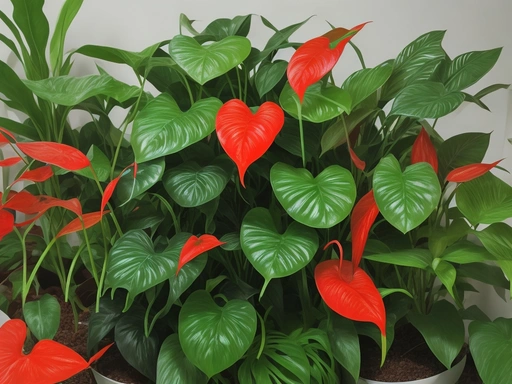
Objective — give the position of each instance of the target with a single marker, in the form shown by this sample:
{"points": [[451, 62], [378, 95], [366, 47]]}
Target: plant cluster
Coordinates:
{"points": [[200, 227]]}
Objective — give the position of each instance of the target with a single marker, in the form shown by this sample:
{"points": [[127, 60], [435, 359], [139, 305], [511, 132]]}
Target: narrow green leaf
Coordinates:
{"points": [[497, 239], [446, 273], [416, 258], [464, 252], [19, 129], [10, 44], [486, 273], [345, 344]]}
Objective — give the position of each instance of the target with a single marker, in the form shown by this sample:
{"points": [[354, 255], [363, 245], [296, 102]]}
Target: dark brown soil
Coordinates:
{"points": [[409, 358], [113, 365]]}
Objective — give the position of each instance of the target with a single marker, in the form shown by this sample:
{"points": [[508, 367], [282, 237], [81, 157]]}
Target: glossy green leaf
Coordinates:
{"points": [[274, 254], [473, 313], [174, 367], [446, 274], [134, 265], [485, 200], [222, 28], [490, 344], [161, 128], [19, 129], [464, 252], [269, 75], [321, 103], [364, 82], [191, 185], [426, 100], [466, 69], [442, 237], [10, 44], [148, 174], [407, 198], [103, 321], [100, 163], [320, 202], [289, 138], [70, 90], [442, 329], [204, 63], [213, 338], [186, 23], [417, 62], [67, 13], [497, 239], [43, 316], [282, 360], [415, 258], [463, 149], [486, 273], [389, 291], [139, 351], [345, 344]]}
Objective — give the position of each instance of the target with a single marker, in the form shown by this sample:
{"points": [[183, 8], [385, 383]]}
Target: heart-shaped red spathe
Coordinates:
{"points": [[245, 136], [350, 294], [363, 216], [315, 58], [424, 151], [470, 172], [196, 246], [49, 362]]}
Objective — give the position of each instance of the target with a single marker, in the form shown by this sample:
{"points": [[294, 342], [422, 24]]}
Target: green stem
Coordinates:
{"points": [[231, 86], [171, 211], [240, 95], [36, 268], [358, 53], [301, 131], [70, 273], [263, 336]]}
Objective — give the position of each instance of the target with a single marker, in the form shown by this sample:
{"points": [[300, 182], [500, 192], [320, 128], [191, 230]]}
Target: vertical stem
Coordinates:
{"points": [[301, 130]]}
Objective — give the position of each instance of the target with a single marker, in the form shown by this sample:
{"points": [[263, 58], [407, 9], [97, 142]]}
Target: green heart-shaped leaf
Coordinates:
{"points": [[319, 202], [174, 367], [134, 265], [321, 103], [213, 338], [103, 321], [148, 174], [161, 128], [269, 75], [191, 185], [204, 63], [43, 316], [273, 254], [405, 199]]}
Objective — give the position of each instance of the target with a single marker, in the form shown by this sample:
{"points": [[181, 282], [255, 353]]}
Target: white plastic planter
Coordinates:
{"points": [[447, 377], [3, 318], [100, 379]]}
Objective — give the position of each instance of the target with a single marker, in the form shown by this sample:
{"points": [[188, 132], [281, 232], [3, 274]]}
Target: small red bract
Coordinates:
{"points": [[364, 214], [424, 151], [86, 221], [37, 175], [10, 161], [360, 164], [196, 246], [61, 155], [470, 172], [109, 189]]}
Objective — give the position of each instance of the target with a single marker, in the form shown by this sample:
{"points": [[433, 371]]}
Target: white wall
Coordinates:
{"points": [[471, 25]]}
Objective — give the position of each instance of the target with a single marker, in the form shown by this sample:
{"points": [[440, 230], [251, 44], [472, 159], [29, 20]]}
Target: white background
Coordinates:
{"points": [[470, 24]]}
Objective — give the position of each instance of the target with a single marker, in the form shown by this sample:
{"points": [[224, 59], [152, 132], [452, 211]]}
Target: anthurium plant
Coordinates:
{"points": [[207, 236]]}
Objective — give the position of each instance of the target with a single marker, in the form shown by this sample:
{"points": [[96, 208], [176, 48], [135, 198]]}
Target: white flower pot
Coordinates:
{"points": [[100, 379], [447, 377], [3, 318]]}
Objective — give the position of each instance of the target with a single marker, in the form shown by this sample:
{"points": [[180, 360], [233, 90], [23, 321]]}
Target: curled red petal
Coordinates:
{"points": [[363, 216], [357, 299], [470, 172], [424, 151], [109, 190], [3, 139], [10, 161], [37, 175], [360, 164], [20, 201], [6, 223], [85, 221], [196, 246], [245, 136], [315, 58], [61, 155]]}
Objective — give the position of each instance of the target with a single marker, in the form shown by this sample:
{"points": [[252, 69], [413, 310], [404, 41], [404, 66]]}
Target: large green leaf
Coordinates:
{"points": [[43, 316], [364, 82], [442, 329], [139, 351], [273, 254], [320, 202], [204, 63], [466, 148], [416, 62], [321, 103], [161, 128], [497, 239], [468, 68], [415, 258], [485, 200], [148, 174], [447, 274], [486, 273], [345, 344], [490, 344], [70, 90], [289, 138], [282, 360], [134, 265], [19, 129], [103, 321], [444, 236], [174, 367], [221, 28], [213, 338], [426, 100], [191, 185], [67, 13], [405, 199], [269, 75], [464, 252]]}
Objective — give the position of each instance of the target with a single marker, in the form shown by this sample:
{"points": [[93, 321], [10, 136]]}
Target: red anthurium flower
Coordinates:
{"points": [[37, 175], [61, 155], [245, 136], [10, 161], [6, 223], [360, 164], [85, 221], [424, 151], [109, 190], [315, 58], [350, 294], [470, 172], [49, 362], [3, 139], [364, 214], [20, 201], [195, 246]]}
